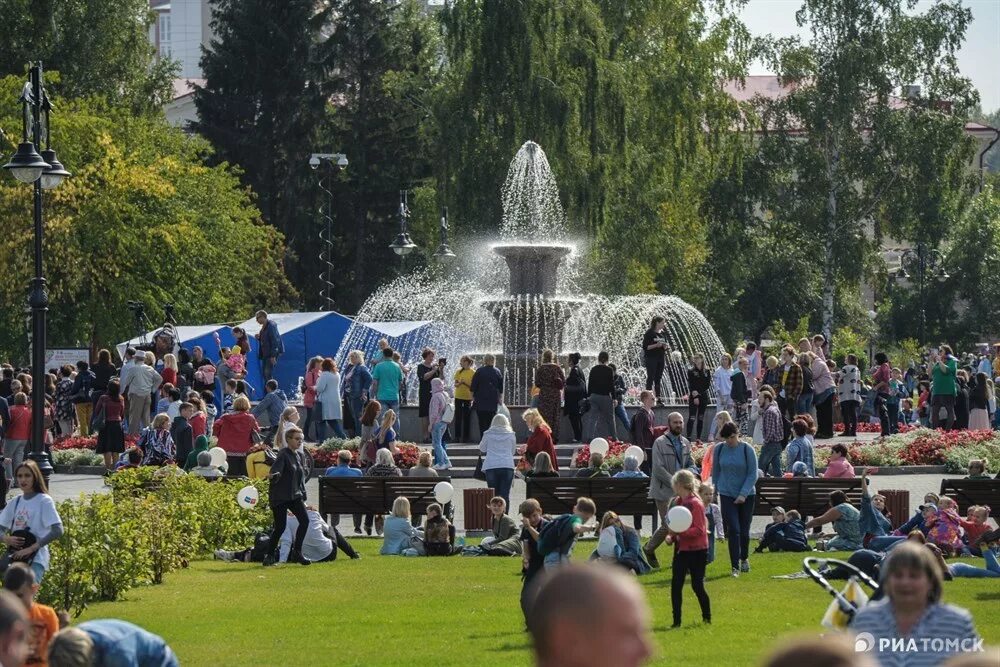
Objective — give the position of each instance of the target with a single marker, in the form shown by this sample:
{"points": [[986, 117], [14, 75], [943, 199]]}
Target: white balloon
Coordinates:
{"points": [[218, 456], [599, 445], [248, 497], [444, 492], [679, 519], [637, 452]]}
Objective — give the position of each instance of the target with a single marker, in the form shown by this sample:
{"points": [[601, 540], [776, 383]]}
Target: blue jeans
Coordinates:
{"points": [[737, 520], [500, 480], [885, 542], [804, 403], [992, 570], [770, 459], [390, 405], [623, 417], [437, 435], [556, 558]]}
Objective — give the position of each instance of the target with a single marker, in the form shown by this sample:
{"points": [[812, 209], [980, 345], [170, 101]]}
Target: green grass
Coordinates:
{"points": [[460, 611]]}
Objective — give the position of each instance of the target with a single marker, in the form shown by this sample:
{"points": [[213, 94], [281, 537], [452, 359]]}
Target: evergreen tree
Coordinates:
{"points": [[261, 106], [380, 65]]}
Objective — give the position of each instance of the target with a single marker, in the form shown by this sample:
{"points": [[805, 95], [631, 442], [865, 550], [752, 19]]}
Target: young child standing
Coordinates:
{"points": [[556, 540], [691, 554], [713, 517], [43, 623]]}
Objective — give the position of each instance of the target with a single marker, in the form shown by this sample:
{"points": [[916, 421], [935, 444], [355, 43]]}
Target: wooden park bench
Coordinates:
{"points": [[967, 492], [624, 496], [375, 495], [809, 495]]}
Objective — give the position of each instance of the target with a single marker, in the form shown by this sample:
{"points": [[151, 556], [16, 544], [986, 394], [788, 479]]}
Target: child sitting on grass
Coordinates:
{"points": [[789, 535], [439, 534], [609, 540], [43, 623], [691, 554], [975, 525], [556, 539], [944, 528], [504, 541]]}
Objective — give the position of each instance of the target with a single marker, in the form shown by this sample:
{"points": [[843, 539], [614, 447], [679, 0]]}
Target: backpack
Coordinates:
{"points": [[555, 534], [449, 413]]}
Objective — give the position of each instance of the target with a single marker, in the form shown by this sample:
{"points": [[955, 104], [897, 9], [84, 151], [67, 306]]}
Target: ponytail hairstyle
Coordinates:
{"points": [[288, 415]]}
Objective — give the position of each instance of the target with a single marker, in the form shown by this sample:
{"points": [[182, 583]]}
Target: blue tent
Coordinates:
{"points": [[304, 335]]}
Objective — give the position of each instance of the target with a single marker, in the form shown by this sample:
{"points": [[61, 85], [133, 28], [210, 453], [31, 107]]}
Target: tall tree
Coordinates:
{"points": [[261, 106], [101, 47], [841, 144], [141, 219], [380, 65]]}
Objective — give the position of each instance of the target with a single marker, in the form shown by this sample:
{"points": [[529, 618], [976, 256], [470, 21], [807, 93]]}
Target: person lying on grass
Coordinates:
{"points": [[320, 544]]}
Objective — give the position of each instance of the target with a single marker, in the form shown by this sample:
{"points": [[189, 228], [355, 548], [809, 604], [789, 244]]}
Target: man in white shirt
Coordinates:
{"points": [[142, 381], [321, 542]]}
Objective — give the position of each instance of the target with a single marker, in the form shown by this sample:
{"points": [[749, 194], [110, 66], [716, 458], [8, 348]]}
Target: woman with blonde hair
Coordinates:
{"points": [[385, 435], [691, 554], [169, 372], [497, 447], [385, 466], [289, 419], [540, 439], [542, 467], [401, 538], [155, 442]]}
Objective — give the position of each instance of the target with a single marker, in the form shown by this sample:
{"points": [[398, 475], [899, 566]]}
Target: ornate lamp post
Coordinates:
{"points": [[928, 264], [45, 172], [444, 252], [403, 245], [335, 162]]}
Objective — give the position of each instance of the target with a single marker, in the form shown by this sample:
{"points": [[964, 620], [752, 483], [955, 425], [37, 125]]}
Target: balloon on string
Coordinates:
{"points": [[599, 446], [637, 452], [248, 497], [444, 492], [218, 456], [679, 519]]}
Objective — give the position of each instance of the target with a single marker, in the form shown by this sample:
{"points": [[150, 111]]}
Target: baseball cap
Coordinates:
{"points": [[928, 506], [778, 510]]}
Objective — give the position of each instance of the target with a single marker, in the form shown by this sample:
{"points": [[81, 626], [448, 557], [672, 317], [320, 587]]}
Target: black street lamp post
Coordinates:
{"points": [[335, 163], [926, 263], [444, 252], [403, 245], [45, 172]]}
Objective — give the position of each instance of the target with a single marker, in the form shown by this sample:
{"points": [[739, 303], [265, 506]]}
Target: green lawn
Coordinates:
{"points": [[459, 611]]}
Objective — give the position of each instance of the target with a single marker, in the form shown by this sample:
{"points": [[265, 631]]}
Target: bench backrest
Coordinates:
{"points": [[967, 492], [375, 495], [557, 495], [810, 495]]}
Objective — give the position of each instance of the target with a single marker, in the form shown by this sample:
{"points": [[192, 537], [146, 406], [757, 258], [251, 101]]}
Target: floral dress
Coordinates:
{"points": [[157, 447], [64, 406]]}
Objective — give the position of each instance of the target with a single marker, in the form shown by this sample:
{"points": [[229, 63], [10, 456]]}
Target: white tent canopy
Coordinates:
{"points": [[184, 333]]}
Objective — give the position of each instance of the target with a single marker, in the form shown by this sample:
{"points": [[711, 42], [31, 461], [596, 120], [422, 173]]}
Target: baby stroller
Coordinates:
{"points": [[846, 602]]}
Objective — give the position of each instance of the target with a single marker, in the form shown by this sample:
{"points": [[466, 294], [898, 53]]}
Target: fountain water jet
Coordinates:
{"points": [[520, 298]]}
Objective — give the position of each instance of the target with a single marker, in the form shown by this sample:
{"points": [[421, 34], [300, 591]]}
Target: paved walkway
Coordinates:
{"points": [[71, 486]]}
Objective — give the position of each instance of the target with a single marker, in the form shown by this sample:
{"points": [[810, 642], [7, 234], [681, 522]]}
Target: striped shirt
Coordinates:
{"points": [[943, 630]]}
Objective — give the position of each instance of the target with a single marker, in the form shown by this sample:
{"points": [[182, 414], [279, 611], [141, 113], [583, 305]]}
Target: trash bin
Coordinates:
{"points": [[477, 509], [897, 506]]}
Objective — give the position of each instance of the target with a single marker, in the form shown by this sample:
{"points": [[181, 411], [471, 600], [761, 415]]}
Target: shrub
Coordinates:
{"points": [[957, 459], [154, 521], [76, 457]]}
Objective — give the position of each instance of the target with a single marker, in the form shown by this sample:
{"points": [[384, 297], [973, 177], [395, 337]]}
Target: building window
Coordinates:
{"points": [[164, 23]]}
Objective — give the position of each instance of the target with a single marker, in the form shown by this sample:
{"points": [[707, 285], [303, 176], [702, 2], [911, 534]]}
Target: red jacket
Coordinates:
{"points": [[199, 424], [169, 375], [234, 431], [541, 441], [695, 538], [20, 423], [312, 377]]}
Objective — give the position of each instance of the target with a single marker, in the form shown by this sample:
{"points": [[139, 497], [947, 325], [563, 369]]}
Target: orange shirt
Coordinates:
{"points": [[43, 624]]}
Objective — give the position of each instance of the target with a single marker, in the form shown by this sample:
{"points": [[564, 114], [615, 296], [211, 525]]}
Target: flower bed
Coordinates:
{"points": [[88, 442], [868, 427], [325, 454], [613, 459]]}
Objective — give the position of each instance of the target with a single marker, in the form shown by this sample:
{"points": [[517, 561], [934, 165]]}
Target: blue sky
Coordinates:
{"points": [[979, 58]]}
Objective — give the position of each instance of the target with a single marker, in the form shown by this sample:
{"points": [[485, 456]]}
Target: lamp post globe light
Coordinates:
{"points": [[45, 172], [444, 252]]}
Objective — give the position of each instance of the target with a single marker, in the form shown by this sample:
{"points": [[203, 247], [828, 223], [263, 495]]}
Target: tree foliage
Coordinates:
{"points": [[845, 151], [143, 218], [101, 47]]}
